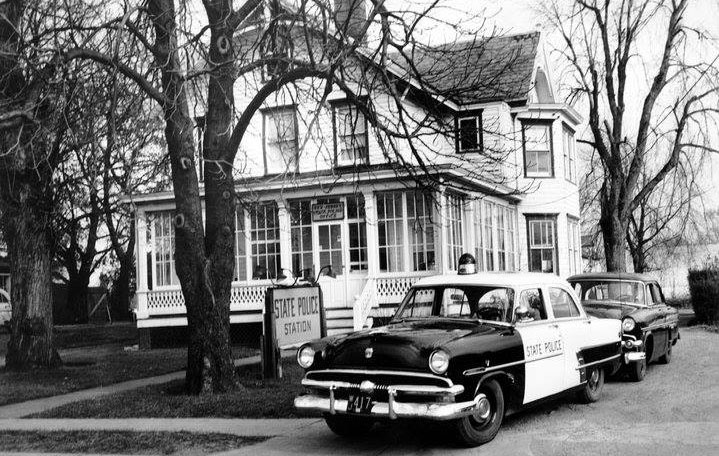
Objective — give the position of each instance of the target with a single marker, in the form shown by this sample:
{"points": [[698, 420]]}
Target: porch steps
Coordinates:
{"points": [[339, 320]]}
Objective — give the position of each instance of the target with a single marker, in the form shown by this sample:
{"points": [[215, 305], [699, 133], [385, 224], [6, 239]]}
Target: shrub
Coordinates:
{"points": [[704, 290]]}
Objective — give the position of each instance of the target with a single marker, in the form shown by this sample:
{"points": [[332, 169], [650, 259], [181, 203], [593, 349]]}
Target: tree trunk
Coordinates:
{"points": [[121, 287], [639, 259], [77, 294], [614, 232], [209, 356], [29, 245]]}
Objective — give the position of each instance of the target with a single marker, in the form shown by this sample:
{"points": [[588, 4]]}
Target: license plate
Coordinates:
{"points": [[358, 403]]}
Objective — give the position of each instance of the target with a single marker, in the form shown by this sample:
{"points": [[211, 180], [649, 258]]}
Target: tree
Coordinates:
{"points": [[31, 128], [307, 44], [663, 219], [602, 44]]}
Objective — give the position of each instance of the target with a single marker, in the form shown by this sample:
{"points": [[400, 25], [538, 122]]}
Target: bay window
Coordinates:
{"points": [[301, 237], [265, 241], [537, 145], [570, 158], [164, 249], [542, 243], [357, 233]]}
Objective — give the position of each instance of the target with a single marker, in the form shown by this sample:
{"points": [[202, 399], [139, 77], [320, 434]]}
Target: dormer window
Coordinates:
{"points": [[280, 140], [537, 144], [278, 48], [351, 136], [469, 133]]}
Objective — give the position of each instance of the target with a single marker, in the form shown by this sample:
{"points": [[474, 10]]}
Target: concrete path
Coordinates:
{"points": [[240, 427], [46, 403]]}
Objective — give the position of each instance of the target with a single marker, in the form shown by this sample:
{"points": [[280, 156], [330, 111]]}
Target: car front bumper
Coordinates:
{"points": [[439, 406], [392, 409]]}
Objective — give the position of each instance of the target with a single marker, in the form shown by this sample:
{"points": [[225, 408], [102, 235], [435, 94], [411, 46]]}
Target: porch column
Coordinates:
{"points": [[443, 236], [370, 209], [468, 225], [141, 263], [283, 214]]}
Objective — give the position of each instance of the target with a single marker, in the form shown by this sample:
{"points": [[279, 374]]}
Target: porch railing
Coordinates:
{"points": [[364, 304]]}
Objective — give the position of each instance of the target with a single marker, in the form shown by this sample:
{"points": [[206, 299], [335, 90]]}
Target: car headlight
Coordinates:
{"points": [[439, 361], [305, 356], [628, 324]]}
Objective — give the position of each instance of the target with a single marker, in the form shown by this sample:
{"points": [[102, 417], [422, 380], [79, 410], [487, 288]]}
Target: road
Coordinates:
{"points": [[674, 411]]}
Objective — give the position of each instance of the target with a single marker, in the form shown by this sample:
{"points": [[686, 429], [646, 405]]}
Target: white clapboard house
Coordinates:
{"points": [[306, 202]]}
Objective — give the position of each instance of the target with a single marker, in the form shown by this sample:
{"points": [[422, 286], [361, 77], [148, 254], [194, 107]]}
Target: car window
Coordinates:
{"points": [[612, 290], [454, 303], [656, 293], [563, 305], [419, 303], [532, 300]]}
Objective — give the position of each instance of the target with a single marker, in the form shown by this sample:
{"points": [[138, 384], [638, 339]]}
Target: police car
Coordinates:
{"points": [[467, 348]]}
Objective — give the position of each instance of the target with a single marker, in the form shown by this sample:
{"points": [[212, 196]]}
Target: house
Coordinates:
{"points": [[310, 200]]}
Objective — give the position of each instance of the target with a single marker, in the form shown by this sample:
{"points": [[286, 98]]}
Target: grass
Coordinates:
{"points": [[258, 399], [126, 442], [90, 368]]}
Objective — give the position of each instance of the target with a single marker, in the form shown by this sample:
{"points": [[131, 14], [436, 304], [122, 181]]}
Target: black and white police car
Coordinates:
{"points": [[468, 348]]}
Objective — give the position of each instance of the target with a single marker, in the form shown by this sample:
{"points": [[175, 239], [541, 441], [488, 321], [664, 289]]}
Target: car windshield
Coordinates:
{"points": [[457, 301], [610, 290]]}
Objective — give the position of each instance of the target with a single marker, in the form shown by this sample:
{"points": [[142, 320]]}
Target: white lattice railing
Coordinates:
{"points": [[391, 289], [171, 301], [364, 304]]}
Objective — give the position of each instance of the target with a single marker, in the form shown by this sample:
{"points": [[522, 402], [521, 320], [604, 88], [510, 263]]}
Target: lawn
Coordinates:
{"points": [[258, 399], [125, 442], [88, 368]]}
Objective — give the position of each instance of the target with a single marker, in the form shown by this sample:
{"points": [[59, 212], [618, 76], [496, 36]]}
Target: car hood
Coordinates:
{"points": [[404, 345], [609, 309]]}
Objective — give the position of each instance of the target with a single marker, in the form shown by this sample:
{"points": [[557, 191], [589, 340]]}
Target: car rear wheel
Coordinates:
{"points": [[592, 390], [637, 370], [483, 425], [666, 358], [348, 426]]}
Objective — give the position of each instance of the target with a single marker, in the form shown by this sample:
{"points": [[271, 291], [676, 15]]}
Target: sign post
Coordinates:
{"points": [[292, 316]]}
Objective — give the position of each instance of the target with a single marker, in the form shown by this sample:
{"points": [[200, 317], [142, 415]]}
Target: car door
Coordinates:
{"points": [[657, 321], [575, 329], [543, 347]]}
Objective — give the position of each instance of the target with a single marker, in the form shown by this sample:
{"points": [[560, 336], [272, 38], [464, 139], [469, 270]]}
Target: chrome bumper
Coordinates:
{"points": [[633, 357], [393, 408]]}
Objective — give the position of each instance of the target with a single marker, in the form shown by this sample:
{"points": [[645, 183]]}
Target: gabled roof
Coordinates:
{"points": [[480, 70]]}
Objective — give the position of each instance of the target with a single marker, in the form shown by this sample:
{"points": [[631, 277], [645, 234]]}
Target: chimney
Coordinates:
{"points": [[350, 17]]}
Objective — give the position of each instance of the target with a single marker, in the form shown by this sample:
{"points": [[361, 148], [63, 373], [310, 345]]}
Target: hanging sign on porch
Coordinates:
{"points": [[293, 315], [328, 211]]}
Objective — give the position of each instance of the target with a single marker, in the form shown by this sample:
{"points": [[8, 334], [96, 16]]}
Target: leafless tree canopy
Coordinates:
{"points": [[603, 42]]}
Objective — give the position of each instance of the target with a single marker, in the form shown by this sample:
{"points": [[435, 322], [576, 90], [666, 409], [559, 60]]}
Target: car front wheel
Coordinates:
{"points": [[483, 425], [637, 370], [666, 358], [348, 426], [592, 390]]}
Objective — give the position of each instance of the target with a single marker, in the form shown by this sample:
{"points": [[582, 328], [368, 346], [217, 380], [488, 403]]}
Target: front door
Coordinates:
{"points": [[330, 252]]}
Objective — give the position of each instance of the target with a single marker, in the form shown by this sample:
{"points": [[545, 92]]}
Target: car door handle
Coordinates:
{"points": [[587, 322], [554, 325]]}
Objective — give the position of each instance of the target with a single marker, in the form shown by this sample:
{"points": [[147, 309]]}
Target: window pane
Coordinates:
{"points": [[468, 134]]}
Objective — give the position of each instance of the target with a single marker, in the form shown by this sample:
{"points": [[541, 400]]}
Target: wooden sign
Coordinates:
{"points": [[293, 316], [328, 211]]}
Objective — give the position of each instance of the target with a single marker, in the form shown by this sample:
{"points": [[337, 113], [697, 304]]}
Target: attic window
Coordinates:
{"points": [[469, 134]]}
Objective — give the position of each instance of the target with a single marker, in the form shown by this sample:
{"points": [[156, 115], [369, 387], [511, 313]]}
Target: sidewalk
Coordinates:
{"points": [[22, 409], [235, 426]]}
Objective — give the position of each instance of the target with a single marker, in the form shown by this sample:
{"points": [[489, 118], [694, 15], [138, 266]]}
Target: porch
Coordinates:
{"points": [[378, 297]]}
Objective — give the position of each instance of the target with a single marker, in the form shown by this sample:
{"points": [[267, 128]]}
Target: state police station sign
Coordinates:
{"points": [[297, 314]]}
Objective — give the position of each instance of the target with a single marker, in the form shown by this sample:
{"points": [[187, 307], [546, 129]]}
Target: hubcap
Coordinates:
{"points": [[483, 409], [594, 378]]}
